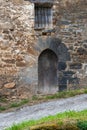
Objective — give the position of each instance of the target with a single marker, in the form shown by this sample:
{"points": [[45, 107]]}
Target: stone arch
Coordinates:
{"points": [[47, 72]]}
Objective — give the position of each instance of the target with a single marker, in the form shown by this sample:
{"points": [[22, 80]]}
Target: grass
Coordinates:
{"points": [[64, 94], [62, 119], [2, 108], [35, 97], [3, 99], [82, 125], [13, 105], [18, 104], [40, 98]]}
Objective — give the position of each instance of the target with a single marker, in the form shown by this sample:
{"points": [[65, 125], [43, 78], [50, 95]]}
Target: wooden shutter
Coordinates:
{"points": [[43, 17]]}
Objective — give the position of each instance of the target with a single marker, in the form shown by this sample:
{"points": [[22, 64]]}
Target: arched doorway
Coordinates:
{"points": [[47, 72]]}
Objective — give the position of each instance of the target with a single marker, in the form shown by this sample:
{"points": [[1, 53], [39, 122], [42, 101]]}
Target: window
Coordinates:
{"points": [[43, 16]]}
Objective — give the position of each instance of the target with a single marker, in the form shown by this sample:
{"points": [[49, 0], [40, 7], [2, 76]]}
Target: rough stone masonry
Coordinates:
{"points": [[45, 59]]}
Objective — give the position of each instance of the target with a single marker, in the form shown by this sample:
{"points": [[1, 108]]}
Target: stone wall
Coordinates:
{"points": [[72, 29], [16, 43], [21, 45]]}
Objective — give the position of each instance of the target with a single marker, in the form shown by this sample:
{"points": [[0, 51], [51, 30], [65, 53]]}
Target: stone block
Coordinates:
{"points": [[85, 45], [75, 65], [61, 66], [74, 81], [82, 51], [9, 85], [68, 73], [12, 61], [18, 1], [21, 64], [5, 26], [19, 58]]}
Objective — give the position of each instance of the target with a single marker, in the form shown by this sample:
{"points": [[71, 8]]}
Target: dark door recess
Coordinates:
{"points": [[47, 71]]}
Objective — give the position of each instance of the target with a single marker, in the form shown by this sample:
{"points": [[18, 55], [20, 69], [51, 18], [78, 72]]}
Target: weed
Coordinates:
{"points": [[2, 108], [3, 100], [66, 94], [61, 119], [34, 97], [18, 104], [42, 98], [85, 91], [82, 125], [14, 104], [24, 101]]}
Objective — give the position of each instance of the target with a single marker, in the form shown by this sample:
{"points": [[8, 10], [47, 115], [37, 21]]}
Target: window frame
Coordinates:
{"points": [[47, 10]]}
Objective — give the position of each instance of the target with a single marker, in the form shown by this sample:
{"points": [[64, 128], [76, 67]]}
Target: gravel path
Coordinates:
{"points": [[76, 103]]}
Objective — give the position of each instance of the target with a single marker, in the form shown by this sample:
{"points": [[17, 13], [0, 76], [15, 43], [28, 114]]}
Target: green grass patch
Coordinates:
{"points": [[82, 125], [61, 119], [66, 94], [2, 108], [3, 99], [40, 98], [35, 97], [18, 104]]}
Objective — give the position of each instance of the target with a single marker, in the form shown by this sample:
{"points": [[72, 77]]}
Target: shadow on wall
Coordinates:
{"points": [[62, 79], [53, 55]]}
